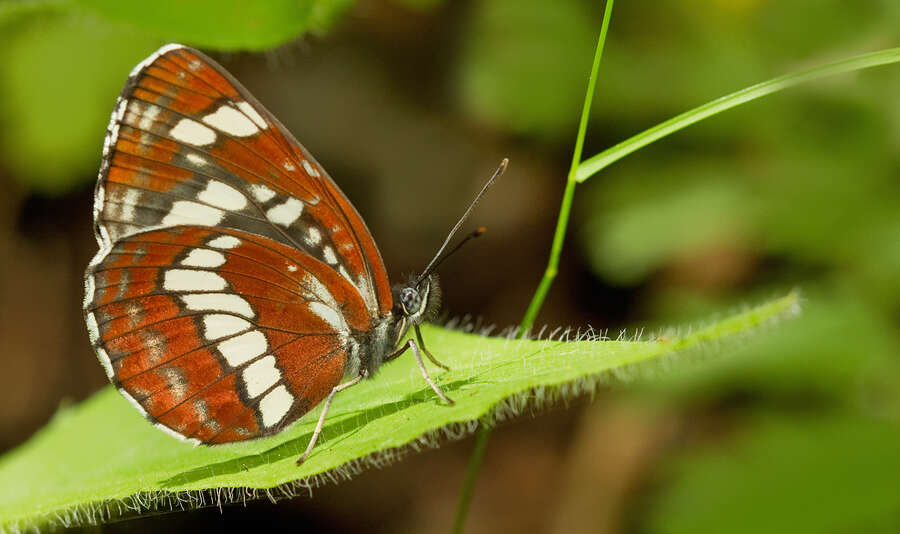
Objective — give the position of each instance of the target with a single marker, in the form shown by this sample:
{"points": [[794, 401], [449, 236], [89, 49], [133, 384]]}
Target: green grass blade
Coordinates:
{"points": [[594, 164], [101, 460], [562, 222]]}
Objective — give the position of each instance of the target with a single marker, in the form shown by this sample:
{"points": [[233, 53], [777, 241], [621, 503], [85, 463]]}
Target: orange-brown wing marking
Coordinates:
{"points": [[188, 145], [218, 335]]}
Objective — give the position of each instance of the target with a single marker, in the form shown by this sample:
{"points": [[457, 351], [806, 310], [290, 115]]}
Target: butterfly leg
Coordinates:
{"points": [[412, 344], [427, 352], [394, 355], [318, 430]]}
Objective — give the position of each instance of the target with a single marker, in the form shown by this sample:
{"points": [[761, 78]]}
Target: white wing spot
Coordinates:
{"points": [[128, 201], [243, 348], [292, 268], [193, 133], [177, 385], [288, 166], [285, 213], [202, 257], [275, 405], [190, 280], [313, 236], [135, 109], [219, 325], [188, 212], [260, 376], [254, 115], [261, 192], [318, 291], [222, 196], [224, 242], [329, 315], [231, 121], [148, 117], [329, 255], [156, 344], [310, 170], [197, 159], [221, 302], [346, 275]]}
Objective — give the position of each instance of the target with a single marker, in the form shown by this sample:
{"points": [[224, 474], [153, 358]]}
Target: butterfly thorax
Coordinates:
{"points": [[413, 305]]}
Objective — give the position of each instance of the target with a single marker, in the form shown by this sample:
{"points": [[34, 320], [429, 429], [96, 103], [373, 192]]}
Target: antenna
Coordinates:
{"points": [[478, 232], [434, 261]]}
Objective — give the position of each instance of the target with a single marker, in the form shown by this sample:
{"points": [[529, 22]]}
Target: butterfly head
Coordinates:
{"points": [[417, 302]]}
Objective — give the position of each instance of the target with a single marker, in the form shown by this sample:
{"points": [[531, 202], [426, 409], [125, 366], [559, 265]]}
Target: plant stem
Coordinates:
{"points": [[562, 222], [475, 460]]}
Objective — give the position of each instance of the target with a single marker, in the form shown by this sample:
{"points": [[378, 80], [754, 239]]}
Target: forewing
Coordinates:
{"points": [[188, 145], [219, 335]]}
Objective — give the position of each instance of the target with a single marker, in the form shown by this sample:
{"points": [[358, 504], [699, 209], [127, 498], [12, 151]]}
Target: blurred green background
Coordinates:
{"points": [[410, 104]]}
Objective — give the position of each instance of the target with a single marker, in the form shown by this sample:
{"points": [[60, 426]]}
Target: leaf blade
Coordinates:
{"points": [[596, 163], [101, 459]]}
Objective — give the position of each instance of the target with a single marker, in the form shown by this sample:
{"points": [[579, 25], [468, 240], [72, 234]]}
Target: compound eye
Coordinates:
{"points": [[410, 300]]}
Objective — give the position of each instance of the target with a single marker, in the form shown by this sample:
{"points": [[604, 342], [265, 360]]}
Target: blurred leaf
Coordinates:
{"points": [[524, 65], [419, 4], [13, 10], [98, 460], [638, 225], [63, 62], [799, 475], [223, 24], [811, 182], [828, 353], [59, 77], [685, 52]]}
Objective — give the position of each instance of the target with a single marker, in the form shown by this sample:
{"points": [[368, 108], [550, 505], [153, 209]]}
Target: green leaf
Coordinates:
{"points": [[59, 77], [224, 24], [419, 5], [635, 226], [808, 359], [63, 62], [517, 69], [786, 474], [101, 460]]}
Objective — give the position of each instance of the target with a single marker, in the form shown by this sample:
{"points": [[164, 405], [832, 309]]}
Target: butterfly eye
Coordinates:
{"points": [[410, 300]]}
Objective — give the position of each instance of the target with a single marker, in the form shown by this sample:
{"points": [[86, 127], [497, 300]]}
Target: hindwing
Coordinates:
{"points": [[219, 335]]}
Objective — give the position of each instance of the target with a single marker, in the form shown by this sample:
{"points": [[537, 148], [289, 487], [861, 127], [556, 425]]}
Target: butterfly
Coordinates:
{"points": [[235, 287]]}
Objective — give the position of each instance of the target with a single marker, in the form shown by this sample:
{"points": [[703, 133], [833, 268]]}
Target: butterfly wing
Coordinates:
{"points": [[219, 335], [188, 145]]}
